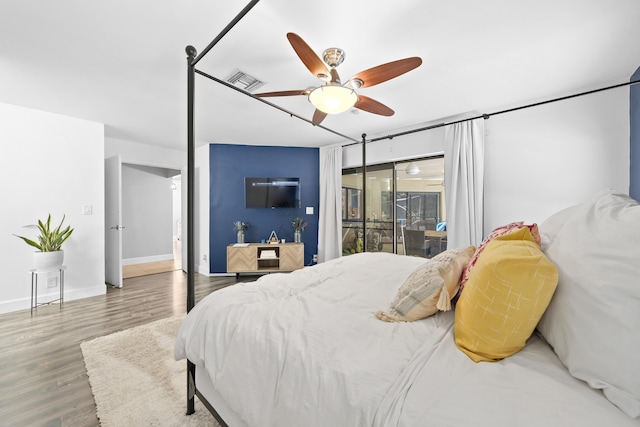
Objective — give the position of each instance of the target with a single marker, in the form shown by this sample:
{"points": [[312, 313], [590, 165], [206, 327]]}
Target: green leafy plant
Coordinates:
{"points": [[49, 239], [240, 225], [298, 224]]}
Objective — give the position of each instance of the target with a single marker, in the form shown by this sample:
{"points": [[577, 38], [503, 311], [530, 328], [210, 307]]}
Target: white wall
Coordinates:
{"points": [[537, 160], [543, 159], [420, 144], [52, 164], [146, 155], [176, 203], [147, 214], [201, 211]]}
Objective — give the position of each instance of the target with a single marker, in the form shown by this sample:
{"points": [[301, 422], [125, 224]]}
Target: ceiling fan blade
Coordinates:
{"points": [[282, 93], [388, 71], [318, 117], [308, 57], [372, 106]]}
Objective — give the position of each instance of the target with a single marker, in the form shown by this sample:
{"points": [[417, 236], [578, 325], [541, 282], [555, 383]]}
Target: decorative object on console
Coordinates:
{"points": [[273, 238], [50, 255], [298, 225], [239, 227], [268, 254]]}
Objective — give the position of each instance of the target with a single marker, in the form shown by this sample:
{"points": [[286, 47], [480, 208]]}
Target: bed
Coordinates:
{"points": [[332, 344]]}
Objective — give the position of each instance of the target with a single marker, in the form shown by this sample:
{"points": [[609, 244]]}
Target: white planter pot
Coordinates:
{"points": [[44, 261]]}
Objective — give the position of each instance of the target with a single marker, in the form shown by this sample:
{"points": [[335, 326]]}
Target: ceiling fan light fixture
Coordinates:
{"points": [[333, 99]]}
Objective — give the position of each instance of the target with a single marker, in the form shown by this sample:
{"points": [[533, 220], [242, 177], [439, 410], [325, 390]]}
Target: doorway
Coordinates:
{"points": [[154, 267], [151, 211], [150, 220]]}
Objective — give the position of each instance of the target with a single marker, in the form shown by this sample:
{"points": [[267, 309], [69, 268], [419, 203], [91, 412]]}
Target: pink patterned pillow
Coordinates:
{"points": [[500, 231]]}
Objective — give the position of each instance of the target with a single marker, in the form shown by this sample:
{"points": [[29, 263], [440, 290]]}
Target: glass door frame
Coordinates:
{"points": [[393, 167]]}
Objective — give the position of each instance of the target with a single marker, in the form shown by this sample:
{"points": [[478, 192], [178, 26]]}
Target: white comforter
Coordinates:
{"points": [[305, 349]]}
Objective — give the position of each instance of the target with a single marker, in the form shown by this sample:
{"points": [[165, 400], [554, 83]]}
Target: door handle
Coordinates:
{"points": [[117, 227]]}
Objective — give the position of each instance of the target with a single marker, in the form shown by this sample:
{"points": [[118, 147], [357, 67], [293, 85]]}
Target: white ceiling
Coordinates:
{"points": [[123, 63]]}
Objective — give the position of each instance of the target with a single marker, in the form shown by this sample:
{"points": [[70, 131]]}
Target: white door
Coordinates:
{"points": [[113, 220]]}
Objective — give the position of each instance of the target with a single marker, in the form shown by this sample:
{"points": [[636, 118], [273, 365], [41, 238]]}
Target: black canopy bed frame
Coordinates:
{"points": [[192, 59]]}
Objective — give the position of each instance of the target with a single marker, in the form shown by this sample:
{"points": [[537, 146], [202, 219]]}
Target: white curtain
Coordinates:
{"points": [[330, 215], [464, 182]]}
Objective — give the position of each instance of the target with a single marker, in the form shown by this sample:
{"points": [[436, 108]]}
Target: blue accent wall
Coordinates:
{"points": [[634, 121], [229, 165]]}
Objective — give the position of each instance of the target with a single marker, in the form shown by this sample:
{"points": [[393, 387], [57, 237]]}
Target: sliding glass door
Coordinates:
{"points": [[420, 207], [400, 196], [378, 211]]}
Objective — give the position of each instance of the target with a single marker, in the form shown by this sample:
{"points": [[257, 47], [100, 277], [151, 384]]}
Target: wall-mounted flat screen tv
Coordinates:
{"points": [[272, 192]]}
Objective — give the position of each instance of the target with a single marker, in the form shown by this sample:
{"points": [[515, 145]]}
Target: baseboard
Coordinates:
{"points": [[73, 294], [15, 305], [144, 260], [204, 270], [69, 295]]}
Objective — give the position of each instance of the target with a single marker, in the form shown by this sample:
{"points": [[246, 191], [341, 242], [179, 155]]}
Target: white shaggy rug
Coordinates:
{"points": [[136, 381]]}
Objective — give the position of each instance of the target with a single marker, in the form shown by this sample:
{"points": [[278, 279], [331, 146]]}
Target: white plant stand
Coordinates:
{"points": [[34, 286]]}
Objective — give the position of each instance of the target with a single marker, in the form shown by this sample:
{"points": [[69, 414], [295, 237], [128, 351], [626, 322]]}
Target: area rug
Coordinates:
{"points": [[136, 381]]}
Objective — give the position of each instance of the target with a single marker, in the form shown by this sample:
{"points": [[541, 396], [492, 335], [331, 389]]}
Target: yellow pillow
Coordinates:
{"points": [[429, 288], [507, 292]]}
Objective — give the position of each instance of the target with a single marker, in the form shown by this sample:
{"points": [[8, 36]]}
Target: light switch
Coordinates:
{"points": [[87, 210], [309, 210]]}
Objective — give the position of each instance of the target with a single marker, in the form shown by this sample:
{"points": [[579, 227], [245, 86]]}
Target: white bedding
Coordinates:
{"points": [[305, 348]]}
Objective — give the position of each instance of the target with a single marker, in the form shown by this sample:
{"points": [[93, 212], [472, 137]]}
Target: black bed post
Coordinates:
{"points": [[364, 192], [191, 369], [192, 60]]}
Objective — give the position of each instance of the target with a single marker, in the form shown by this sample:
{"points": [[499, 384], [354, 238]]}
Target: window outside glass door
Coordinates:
{"points": [[420, 209], [378, 210]]}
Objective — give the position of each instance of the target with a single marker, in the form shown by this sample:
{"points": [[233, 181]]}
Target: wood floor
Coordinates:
{"points": [[43, 381], [137, 270]]}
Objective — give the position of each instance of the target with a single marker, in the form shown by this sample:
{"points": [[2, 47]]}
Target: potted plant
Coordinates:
{"points": [[239, 227], [49, 244], [298, 225]]}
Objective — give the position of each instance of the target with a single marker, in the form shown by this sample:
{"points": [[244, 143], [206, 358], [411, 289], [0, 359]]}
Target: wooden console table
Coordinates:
{"points": [[264, 257]]}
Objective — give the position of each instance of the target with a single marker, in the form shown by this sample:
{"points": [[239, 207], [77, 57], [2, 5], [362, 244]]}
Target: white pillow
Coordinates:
{"points": [[593, 320]]}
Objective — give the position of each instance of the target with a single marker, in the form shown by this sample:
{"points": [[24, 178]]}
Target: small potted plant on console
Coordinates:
{"points": [[239, 227], [298, 225]]}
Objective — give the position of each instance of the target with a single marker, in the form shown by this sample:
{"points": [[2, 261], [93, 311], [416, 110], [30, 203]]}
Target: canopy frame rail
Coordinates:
{"points": [[487, 116], [277, 107]]}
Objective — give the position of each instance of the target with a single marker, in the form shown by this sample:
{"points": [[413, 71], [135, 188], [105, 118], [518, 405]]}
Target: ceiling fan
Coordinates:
{"points": [[333, 96]]}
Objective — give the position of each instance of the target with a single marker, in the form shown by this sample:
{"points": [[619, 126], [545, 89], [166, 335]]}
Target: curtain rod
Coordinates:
{"points": [[292, 114], [509, 110]]}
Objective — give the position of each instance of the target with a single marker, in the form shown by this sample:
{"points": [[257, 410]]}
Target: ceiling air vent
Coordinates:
{"points": [[244, 81]]}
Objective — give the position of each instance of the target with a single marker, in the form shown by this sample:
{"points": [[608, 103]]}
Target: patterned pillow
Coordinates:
{"points": [[429, 288], [500, 231], [506, 294]]}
